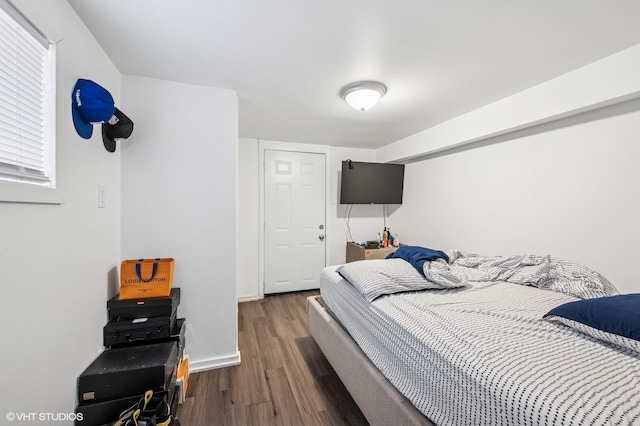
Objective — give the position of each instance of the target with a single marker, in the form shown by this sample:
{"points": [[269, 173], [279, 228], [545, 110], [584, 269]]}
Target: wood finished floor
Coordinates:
{"points": [[283, 379]]}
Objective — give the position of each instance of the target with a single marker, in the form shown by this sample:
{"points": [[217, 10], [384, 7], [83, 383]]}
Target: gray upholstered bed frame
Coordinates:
{"points": [[379, 401]]}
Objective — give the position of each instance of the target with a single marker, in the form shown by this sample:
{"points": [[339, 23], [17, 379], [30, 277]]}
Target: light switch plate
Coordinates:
{"points": [[102, 193]]}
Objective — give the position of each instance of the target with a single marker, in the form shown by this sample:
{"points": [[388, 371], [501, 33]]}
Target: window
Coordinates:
{"points": [[27, 101]]}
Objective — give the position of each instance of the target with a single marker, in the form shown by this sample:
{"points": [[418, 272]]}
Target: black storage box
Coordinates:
{"points": [[150, 307], [140, 330], [107, 412], [173, 405], [128, 371], [104, 412], [177, 335]]}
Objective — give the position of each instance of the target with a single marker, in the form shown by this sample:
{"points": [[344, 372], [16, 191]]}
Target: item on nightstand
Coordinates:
{"points": [[142, 278], [372, 245]]}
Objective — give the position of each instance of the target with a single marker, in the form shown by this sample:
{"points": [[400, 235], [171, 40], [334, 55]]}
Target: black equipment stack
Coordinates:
{"points": [[144, 345]]}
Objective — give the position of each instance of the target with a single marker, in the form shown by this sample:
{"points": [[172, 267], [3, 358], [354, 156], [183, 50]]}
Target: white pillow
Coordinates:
{"points": [[374, 278]]}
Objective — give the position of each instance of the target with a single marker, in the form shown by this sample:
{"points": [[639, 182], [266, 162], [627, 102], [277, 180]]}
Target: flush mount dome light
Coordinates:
{"points": [[363, 95]]}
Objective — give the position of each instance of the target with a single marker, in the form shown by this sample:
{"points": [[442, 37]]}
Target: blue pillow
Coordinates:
{"points": [[613, 319], [417, 255]]}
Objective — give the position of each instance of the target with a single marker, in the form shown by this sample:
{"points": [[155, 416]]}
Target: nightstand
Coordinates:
{"points": [[358, 252]]}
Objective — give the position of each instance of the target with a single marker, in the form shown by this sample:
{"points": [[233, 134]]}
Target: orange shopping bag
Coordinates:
{"points": [[141, 278]]}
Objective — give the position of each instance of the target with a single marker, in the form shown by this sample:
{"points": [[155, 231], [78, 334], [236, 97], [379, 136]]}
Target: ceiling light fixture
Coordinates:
{"points": [[363, 95]]}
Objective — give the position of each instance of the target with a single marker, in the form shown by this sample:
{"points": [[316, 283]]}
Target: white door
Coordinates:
{"points": [[294, 215]]}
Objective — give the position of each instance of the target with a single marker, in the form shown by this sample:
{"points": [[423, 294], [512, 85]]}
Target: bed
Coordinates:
{"points": [[492, 347]]}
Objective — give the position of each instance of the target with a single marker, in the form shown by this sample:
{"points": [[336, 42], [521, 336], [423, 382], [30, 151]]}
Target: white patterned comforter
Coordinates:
{"points": [[483, 355], [546, 272]]}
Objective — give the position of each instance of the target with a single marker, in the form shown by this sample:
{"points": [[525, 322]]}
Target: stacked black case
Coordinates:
{"points": [[127, 371], [151, 307], [141, 321], [144, 343]]}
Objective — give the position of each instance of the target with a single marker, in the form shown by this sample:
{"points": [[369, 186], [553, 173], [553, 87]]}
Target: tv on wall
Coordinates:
{"points": [[371, 183]]}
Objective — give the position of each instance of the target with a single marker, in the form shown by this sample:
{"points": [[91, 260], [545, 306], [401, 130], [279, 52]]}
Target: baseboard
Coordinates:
{"points": [[249, 298], [210, 364]]}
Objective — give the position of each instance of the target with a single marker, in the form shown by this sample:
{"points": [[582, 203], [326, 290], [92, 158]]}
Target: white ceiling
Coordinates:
{"points": [[288, 59]]}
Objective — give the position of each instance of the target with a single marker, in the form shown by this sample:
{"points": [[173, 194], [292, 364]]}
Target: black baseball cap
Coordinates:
{"points": [[118, 127]]}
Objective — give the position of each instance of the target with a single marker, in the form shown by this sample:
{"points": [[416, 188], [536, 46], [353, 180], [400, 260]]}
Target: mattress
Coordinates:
{"points": [[483, 355]]}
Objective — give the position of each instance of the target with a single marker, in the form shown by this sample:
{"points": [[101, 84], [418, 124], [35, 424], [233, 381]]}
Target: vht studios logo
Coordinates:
{"points": [[44, 417]]}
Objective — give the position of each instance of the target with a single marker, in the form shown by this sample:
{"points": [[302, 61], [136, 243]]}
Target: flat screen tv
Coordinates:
{"points": [[371, 183]]}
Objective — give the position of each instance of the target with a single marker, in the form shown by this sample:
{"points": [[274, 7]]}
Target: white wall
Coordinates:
{"points": [[568, 188], [179, 200], [58, 263], [549, 170], [248, 248], [606, 82]]}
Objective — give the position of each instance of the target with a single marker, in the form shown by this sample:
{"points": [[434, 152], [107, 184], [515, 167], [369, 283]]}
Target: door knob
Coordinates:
{"points": [[321, 236]]}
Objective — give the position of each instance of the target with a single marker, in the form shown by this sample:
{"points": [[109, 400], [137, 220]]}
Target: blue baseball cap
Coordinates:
{"points": [[90, 104]]}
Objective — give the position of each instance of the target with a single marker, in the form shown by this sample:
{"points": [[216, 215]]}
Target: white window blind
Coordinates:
{"points": [[27, 101]]}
